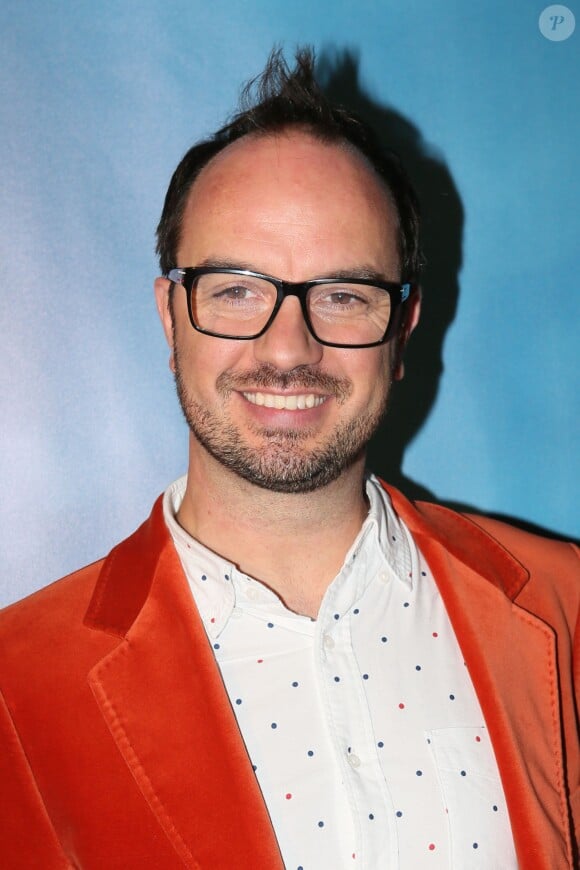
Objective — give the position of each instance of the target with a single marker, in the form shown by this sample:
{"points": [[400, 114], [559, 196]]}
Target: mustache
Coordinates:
{"points": [[268, 377]]}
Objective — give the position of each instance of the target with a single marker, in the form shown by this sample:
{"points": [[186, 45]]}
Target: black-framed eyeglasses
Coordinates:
{"points": [[239, 304]]}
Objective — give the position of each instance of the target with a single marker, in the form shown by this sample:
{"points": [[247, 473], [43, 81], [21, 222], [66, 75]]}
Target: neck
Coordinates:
{"points": [[293, 543]]}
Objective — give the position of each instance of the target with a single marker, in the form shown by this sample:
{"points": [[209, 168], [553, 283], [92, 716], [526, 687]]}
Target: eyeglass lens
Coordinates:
{"points": [[240, 306]]}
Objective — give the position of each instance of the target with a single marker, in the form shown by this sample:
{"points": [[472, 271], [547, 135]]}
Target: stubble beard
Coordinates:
{"points": [[283, 463]]}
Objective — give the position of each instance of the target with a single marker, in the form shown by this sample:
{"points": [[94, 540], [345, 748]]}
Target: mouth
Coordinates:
{"points": [[300, 402]]}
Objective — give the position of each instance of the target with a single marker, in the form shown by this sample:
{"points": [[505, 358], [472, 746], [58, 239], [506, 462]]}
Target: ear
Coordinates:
{"points": [[162, 291], [410, 321]]}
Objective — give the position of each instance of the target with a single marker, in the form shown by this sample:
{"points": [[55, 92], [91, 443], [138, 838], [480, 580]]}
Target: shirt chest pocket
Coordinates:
{"points": [[478, 822]]}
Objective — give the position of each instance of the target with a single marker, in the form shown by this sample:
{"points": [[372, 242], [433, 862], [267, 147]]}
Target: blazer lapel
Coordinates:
{"points": [[511, 657], [162, 697]]}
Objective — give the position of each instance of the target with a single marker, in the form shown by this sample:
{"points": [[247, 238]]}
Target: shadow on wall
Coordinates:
{"points": [[442, 234], [442, 218]]}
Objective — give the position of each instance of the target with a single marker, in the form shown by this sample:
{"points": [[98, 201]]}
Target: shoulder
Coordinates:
{"points": [[551, 567], [529, 546], [62, 597], [65, 602], [467, 533], [36, 627], [539, 573], [554, 561]]}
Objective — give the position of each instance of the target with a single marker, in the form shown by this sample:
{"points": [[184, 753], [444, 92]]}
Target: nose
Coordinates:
{"points": [[288, 342]]}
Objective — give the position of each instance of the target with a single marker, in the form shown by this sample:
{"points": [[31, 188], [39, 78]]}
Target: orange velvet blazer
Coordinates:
{"points": [[119, 747]]}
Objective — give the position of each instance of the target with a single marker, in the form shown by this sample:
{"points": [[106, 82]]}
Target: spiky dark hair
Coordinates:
{"points": [[278, 99]]}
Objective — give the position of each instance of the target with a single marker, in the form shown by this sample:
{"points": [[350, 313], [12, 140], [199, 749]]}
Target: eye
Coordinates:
{"points": [[236, 292], [340, 296], [344, 297]]}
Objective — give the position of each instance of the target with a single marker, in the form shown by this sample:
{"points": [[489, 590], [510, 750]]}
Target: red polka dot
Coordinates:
{"points": [[353, 855], [288, 796], [478, 739], [260, 661], [431, 846], [401, 706], [435, 634], [212, 619]]}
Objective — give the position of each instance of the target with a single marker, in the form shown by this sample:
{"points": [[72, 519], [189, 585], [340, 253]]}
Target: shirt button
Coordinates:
{"points": [[384, 577], [328, 642], [252, 593], [353, 760]]}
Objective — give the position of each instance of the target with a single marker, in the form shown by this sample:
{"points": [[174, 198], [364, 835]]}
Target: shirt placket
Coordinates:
{"points": [[350, 727]]}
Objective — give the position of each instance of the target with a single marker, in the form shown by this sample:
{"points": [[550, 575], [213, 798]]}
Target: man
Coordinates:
{"points": [[288, 665]]}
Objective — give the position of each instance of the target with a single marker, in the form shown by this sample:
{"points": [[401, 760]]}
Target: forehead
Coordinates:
{"points": [[290, 190]]}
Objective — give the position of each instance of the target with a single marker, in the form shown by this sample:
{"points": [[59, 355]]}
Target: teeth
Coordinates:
{"points": [[285, 403]]}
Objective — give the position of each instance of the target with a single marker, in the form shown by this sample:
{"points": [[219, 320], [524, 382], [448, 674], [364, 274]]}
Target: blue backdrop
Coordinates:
{"points": [[99, 102]]}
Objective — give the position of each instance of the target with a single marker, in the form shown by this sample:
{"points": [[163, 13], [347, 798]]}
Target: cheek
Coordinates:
{"points": [[203, 358], [372, 374]]}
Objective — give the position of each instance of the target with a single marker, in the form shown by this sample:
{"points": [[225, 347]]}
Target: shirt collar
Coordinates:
{"points": [[383, 546]]}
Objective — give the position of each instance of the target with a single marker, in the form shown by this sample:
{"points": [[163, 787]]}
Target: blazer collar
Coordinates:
{"points": [[161, 694], [115, 605], [465, 540]]}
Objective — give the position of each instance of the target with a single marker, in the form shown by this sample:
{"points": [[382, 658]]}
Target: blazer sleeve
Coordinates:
{"points": [[27, 838]]}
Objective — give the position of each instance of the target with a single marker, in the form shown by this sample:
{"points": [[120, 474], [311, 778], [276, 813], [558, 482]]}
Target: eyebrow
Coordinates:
{"points": [[362, 271]]}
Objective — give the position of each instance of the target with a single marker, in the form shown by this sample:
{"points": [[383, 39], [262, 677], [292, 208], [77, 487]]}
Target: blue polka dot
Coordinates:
{"points": [[216, 646], [204, 576], [419, 773], [227, 576], [423, 573], [294, 683], [371, 817], [365, 676], [310, 753], [494, 808], [337, 615], [417, 667], [274, 725], [393, 538], [270, 625], [238, 701], [337, 679], [406, 604], [356, 610], [475, 846], [398, 814], [383, 639], [463, 773], [451, 697], [254, 767], [380, 744], [320, 824]]}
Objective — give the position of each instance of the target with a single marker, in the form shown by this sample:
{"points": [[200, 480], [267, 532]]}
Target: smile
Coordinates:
{"points": [[285, 403]]}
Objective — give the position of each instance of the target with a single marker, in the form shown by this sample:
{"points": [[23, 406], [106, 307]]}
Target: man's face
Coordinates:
{"points": [[283, 411]]}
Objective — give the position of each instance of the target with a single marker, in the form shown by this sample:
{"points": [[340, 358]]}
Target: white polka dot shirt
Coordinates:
{"points": [[362, 726]]}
